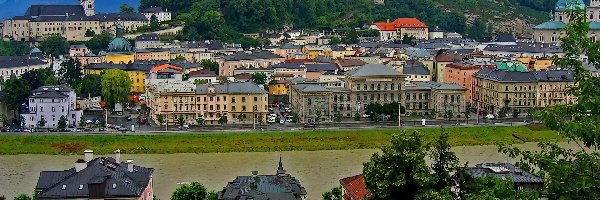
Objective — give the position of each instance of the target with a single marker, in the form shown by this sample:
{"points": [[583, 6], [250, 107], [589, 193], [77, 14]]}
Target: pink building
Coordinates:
{"points": [[461, 74], [78, 50]]}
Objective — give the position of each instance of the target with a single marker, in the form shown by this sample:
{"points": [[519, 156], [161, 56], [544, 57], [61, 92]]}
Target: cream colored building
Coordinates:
{"points": [[69, 21], [234, 102], [494, 90], [249, 60]]}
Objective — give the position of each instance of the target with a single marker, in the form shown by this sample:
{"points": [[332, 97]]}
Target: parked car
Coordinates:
{"points": [[88, 130], [310, 125], [185, 126], [282, 121], [75, 130], [28, 130], [489, 116], [102, 129], [122, 129], [271, 120]]}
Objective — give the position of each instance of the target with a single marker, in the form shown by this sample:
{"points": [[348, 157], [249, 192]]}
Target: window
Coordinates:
{"points": [[365, 87], [233, 109], [255, 98], [243, 108], [41, 108], [358, 87], [53, 109], [243, 99], [232, 99]]}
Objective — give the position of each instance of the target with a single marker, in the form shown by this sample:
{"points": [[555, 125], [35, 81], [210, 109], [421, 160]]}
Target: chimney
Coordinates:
{"points": [[88, 155], [117, 156], [130, 165], [80, 165]]}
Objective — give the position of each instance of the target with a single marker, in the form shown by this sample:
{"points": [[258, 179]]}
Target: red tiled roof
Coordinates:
{"points": [[165, 66], [355, 187], [202, 73], [400, 23], [444, 58]]}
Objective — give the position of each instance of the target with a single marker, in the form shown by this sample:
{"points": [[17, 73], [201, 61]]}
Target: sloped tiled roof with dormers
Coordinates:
{"points": [[373, 70]]}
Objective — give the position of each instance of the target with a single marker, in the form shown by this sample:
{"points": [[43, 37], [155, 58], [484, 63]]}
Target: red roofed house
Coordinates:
{"points": [[354, 188], [398, 28]]}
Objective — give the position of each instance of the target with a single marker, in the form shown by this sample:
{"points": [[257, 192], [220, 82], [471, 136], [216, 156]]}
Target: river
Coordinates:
{"points": [[318, 171]]}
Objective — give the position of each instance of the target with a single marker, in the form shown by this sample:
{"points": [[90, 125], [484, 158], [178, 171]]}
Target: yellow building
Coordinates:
{"points": [[136, 72], [120, 58], [314, 51], [538, 64], [278, 88]]}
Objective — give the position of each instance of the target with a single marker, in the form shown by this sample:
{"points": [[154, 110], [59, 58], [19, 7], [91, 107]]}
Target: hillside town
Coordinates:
{"points": [[86, 73]]}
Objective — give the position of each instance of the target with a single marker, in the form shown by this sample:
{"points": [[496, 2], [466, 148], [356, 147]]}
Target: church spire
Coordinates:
{"points": [[280, 170]]}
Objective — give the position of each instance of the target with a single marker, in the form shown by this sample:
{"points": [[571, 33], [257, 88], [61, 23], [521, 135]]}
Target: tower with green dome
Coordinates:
{"points": [[119, 49]]}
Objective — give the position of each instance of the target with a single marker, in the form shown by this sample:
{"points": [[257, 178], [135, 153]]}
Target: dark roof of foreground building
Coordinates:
{"points": [[373, 70], [19, 61], [281, 186], [503, 171], [59, 88], [516, 76], [101, 178], [231, 88]]}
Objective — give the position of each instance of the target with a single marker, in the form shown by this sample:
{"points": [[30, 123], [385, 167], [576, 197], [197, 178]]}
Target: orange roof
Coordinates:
{"points": [[400, 23], [355, 186], [165, 66]]}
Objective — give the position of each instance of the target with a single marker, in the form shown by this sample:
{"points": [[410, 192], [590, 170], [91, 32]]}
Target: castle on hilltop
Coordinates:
{"points": [[70, 21]]}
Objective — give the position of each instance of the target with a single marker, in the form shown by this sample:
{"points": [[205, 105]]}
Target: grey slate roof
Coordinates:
{"points": [[525, 47], [54, 10], [322, 67], [147, 37], [416, 70], [438, 86], [112, 17], [373, 70], [154, 10], [515, 76], [19, 61], [99, 170], [503, 171], [49, 95], [308, 88], [59, 88], [231, 88], [281, 186]]}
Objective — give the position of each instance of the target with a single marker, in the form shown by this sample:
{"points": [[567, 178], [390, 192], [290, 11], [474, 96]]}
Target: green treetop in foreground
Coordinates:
{"points": [[116, 87], [571, 174]]}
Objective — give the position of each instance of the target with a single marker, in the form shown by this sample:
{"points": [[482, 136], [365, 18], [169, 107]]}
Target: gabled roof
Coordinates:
{"points": [[355, 186], [349, 62], [19, 61], [308, 88], [373, 70], [100, 170], [231, 88], [415, 70], [503, 171]]}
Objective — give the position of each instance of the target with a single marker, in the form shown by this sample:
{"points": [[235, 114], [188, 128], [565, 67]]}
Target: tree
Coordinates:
{"points": [[351, 38], [223, 79], [200, 121], [193, 190], [478, 30], [160, 119], [62, 122], [180, 120], [54, 45], [39, 77], [400, 171], [444, 162], [4, 120], [70, 73], [154, 25], [318, 115], [376, 117], [357, 116], [89, 33], [22, 197], [42, 122], [99, 42], [92, 84], [13, 48], [338, 117], [261, 118], [295, 118], [222, 120], [432, 114], [16, 91], [179, 58], [125, 8], [81, 121], [515, 113], [200, 81], [570, 173], [449, 114], [259, 78], [210, 65], [241, 117], [406, 39], [334, 194], [2, 197], [335, 40], [116, 87]]}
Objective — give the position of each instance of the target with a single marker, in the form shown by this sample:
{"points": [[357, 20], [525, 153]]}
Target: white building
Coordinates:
{"points": [[50, 103], [162, 14]]}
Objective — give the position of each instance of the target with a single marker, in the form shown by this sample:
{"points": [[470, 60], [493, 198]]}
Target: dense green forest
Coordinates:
{"points": [[225, 19]]}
